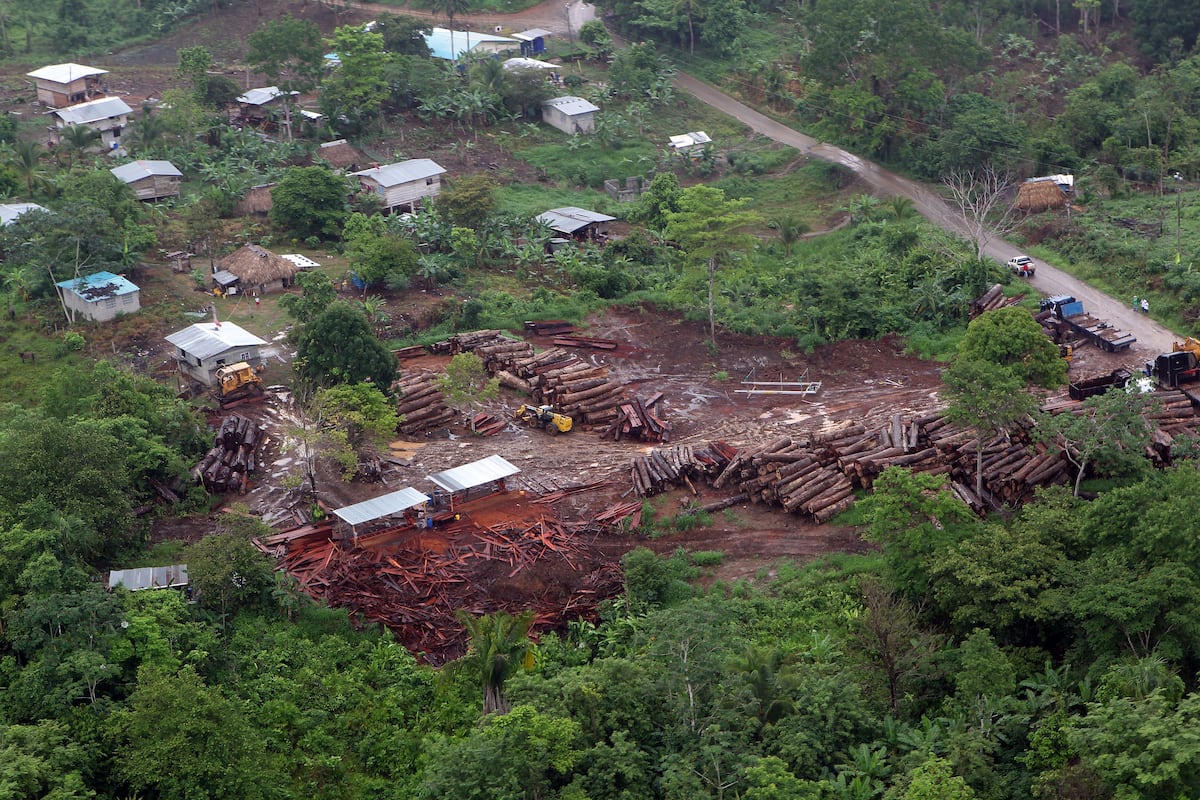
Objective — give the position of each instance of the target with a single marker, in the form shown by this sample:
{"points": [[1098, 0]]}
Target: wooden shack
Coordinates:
{"points": [[403, 185], [62, 85], [150, 179], [256, 270]]}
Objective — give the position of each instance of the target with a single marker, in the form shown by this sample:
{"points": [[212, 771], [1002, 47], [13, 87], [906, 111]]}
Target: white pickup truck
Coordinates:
{"points": [[1022, 266]]}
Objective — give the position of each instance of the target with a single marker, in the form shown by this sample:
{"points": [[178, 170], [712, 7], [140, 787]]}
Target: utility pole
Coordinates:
{"points": [[570, 33]]}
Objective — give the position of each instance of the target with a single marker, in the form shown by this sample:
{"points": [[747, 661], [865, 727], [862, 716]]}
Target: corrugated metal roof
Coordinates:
{"points": [[93, 111], [569, 219], [415, 169], [65, 73], [571, 106], [261, 96], [225, 277], [527, 63], [207, 339], [532, 33], [149, 577], [98, 285], [383, 506], [690, 139], [10, 211], [300, 260], [477, 473], [145, 168]]}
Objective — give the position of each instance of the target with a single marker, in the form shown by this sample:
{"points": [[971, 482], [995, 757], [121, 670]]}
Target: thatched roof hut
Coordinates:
{"points": [[1042, 194], [257, 201], [256, 267], [341, 155]]}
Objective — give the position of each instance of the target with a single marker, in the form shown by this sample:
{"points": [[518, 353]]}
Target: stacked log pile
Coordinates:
{"points": [[226, 467], [635, 418], [668, 467], [992, 299], [421, 404]]}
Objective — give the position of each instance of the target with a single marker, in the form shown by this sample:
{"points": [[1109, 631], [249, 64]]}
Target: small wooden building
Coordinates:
{"points": [[255, 270], [62, 85], [258, 106], [533, 41], [150, 179], [404, 185], [1045, 193], [577, 223], [570, 114], [108, 116], [203, 348], [98, 297], [341, 155]]}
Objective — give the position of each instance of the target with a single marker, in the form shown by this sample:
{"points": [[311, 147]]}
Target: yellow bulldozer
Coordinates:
{"points": [[546, 418], [238, 382]]}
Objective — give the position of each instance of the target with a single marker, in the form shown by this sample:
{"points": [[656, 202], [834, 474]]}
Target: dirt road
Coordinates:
{"points": [[556, 16], [1152, 337]]}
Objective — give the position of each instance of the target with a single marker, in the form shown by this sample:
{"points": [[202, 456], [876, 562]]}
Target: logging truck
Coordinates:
{"points": [[1069, 313]]}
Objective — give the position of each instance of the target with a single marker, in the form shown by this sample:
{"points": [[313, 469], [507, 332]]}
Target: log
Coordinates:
{"points": [[511, 381]]}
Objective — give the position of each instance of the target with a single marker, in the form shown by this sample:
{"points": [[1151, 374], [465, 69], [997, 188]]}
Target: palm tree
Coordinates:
{"points": [[149, 130], [499, 645], [769, 680], [791, 230], [451, 8], [26, 159], [77, 139], [901, 208]]}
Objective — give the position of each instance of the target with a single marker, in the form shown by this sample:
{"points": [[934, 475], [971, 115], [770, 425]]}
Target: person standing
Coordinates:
{"points": [[1136, 306], [1145, 306]]}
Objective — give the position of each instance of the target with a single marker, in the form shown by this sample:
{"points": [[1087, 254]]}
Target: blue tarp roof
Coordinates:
{"points": [[98, 285], [464, 41]]}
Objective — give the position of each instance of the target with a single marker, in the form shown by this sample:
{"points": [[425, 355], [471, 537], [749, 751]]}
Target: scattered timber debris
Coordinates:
{"points": [[227, 466]]}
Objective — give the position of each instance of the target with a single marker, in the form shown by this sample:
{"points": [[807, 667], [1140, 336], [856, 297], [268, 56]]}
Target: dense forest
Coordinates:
{"points": [[1048, 651]]}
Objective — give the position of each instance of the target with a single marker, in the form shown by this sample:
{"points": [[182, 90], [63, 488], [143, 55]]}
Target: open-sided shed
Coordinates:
{"points": [[135, 580], [388, 505], [486, 474]]}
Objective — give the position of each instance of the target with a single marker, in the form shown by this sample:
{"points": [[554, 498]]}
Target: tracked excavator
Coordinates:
{"points": [[236, 382]]}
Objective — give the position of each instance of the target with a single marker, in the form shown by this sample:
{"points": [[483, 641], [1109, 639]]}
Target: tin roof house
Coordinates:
{"points": [[10, 211], [257, 106], [99, 297], [203, 348], [403, 185], [62, 85], [577, 223], [150, 179], [108, 116], [570, 114]]}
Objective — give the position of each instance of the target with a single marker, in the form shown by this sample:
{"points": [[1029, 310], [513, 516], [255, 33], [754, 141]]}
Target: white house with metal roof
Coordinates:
{"points": [[108, 116], [403, 185], [10, 211], [150, 179], [61, 85], [204, 347], [570, 114], [99, 297], [451, 45], [382, 507], [577, 223]]}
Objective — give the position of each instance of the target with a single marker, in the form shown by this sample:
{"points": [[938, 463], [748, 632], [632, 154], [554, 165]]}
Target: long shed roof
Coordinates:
{"points": [[571, 106], [149, 577], [207, 339], [477, 473], [10, 211], [382, 506], [145, 168], [439, 42], [98, 286]]}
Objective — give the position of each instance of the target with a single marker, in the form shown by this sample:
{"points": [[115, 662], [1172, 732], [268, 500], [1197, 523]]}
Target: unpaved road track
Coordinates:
{"points": [[1152, 337]]}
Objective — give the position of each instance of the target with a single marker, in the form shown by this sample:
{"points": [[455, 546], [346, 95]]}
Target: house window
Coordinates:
{"points": [[429, 181], [127, 299], [110, 302], [116, 131], [244, 357]]}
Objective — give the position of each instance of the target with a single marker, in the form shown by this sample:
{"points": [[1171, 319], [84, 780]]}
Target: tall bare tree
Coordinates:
{"points": [[981, 198]]}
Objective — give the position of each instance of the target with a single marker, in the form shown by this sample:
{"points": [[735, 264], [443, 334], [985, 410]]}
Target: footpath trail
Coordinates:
{"points": [[1152, 338]]}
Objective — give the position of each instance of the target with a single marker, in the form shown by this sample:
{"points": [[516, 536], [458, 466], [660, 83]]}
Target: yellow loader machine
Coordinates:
{"points": [[546, 418], [238, 382]]}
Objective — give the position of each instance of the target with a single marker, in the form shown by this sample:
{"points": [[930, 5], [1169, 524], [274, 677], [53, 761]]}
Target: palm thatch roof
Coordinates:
{"points": [[254, 265], [340, 154], [1040, 195], [257, 201]]}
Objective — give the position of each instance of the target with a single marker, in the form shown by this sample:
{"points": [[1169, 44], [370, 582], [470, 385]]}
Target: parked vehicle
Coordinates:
{"points": [[1022, 266], [1070, 315], [1082, 390]]}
